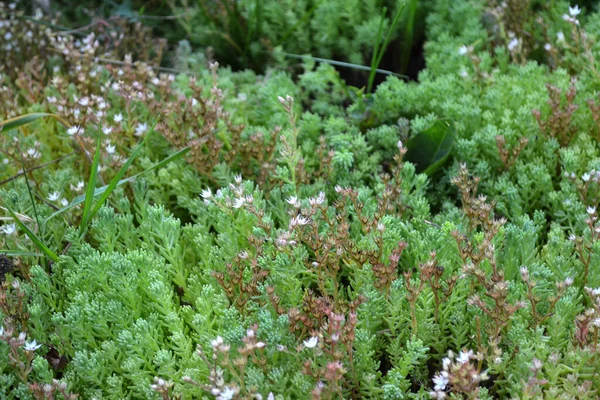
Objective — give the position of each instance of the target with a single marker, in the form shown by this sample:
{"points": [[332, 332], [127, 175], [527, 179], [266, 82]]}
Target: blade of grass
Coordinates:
{"points": [[409, 34], [91, 186], [115, 181], [13, 123], [80, 199], [343, 64], [19, 253], [36, 241], [35, 213], [390, 32], [380, 49], [376, 51]]}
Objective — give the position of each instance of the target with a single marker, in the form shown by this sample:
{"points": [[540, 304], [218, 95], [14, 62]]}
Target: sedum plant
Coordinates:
{"points": [[275, 237]]}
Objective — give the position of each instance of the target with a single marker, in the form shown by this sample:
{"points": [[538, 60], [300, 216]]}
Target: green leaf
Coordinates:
{"points": [[19, 253], [14, 123], [431, 148], [36, 241], [80, 199], [91, 187]]}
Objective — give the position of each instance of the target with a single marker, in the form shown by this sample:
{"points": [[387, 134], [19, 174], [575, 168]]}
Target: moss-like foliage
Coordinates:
{"points": [[295, 250]]}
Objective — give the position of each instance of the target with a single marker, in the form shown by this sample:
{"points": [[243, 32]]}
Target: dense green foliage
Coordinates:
{"points": [[288, 235]]}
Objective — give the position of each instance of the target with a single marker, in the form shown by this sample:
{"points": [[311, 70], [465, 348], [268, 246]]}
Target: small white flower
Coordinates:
{"points": [[596, 322], [84, 101], [226, 394], [462, 50], [513, 44], [574, 11], [239, 202], [464, 356], [118, 118], [206, 194], [53, 196], [107, 130], [293, 200], [311, 343], [110, 149], [140, 129], [64, 202], [8, 229], [7, 35], [321, 198], [568, 281], [446, 363], [51, 99], [586, 177], [217, 342], [102, 105], [591, 210], [238, 179], [74, 129], [547, 47], [31, 346], [34, 153], [300, 220], [463, 73], [560, 36], [440, 380]]}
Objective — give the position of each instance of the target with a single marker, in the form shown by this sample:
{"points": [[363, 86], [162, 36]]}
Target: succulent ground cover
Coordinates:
{"points": [[182, 220]]}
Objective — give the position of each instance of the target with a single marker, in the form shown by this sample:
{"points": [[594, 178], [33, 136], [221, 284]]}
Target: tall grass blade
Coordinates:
{"points": [[376, 51], [115, 181], [408, 35], [342, 64], [34, 239], [380, 49], [21, 120], [80, 199], [19, 253], [91, 186]]}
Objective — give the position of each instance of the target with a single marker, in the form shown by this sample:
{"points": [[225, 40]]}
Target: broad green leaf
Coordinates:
{"points": [[80, 199], [430, 149], [21, 120], [36, 241]]}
